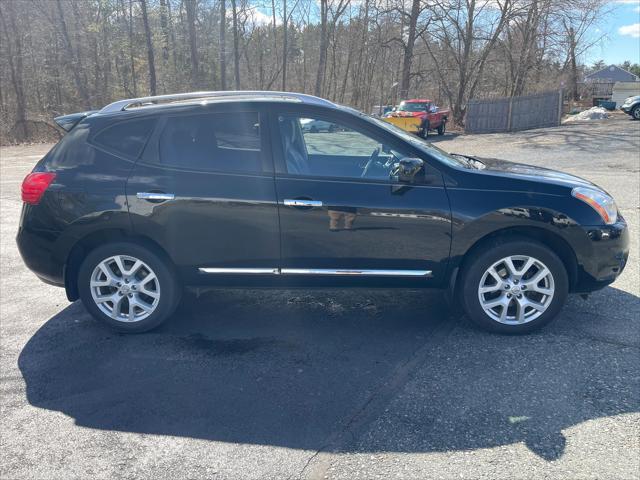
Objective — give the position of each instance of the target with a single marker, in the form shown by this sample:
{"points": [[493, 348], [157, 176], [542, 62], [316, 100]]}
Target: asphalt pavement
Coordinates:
{"points": [[339, 384]]}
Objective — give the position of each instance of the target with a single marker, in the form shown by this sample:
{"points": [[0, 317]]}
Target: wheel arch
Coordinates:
{"points": [[96, 239], [544, 236]]}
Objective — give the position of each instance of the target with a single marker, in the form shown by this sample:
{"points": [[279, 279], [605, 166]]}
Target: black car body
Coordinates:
{"points": [[226, 189]]}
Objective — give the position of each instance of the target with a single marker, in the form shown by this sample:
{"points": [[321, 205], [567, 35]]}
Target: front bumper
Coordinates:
{"points": [[627, 108], [408, 124], [605, 257]]}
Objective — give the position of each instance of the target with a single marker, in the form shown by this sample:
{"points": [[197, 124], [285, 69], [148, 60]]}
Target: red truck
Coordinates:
{"points": [[419, 116]]}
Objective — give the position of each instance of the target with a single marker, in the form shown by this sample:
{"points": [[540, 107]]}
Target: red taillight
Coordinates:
{"points": [[34, 186]]}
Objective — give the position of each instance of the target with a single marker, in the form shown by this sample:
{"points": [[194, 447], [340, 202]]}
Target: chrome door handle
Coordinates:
{"points": [[155, 196], [302, 203]]}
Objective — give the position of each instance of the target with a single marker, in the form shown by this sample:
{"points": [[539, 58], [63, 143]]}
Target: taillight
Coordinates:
{"points": [[34, 186]]}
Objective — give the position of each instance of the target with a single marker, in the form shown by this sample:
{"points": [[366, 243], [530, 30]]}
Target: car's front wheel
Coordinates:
{"points": [[425, 130], [514, 286], [635, 113], [128, 287]]}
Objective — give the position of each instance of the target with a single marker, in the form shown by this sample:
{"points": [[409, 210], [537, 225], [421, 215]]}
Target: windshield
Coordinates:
{"points": [[412, 107], [438, 153]]}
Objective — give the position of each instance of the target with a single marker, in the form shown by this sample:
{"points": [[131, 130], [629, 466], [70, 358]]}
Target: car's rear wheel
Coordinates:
{"points": [[128, 287], [442, 128], [635, 113], [514, 286]]}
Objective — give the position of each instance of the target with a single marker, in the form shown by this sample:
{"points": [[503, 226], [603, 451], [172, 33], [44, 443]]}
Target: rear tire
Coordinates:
{"points": [[442, 128], [128, 287], [501, 291]]}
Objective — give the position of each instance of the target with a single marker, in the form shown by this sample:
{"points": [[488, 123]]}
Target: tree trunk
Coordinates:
{"points": [[70, 57], [223, 45], [150, 56], [317, 91], [284, 47], [573, 66], [134, 81], [190, 7], [14, 57], [408, 50], [164, 27], [236, 46]]}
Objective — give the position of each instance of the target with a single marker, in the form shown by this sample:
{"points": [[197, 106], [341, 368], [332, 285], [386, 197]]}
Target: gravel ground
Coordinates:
{"points": [[329, 383]]}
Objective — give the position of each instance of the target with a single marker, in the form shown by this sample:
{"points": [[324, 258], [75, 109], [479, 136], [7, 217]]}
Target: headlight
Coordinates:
{"points": [[599, 201]]}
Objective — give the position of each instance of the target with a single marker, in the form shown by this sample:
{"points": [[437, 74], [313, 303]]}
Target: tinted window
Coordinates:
{"points": [[127, 138], [318, 147], [219, 142]]}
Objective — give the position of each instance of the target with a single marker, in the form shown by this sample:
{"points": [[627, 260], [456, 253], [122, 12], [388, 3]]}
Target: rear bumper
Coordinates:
{"points": [[36, 249], [605, 258]]}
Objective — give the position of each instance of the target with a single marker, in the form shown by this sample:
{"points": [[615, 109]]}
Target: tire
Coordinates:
{"points": [[425, 130], [517, 320], [635, 113], [100, 277], [442, 128], [313, 130]]}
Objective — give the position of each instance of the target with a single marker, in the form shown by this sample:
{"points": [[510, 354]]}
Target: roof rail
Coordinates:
{"points": [[121, 105]]}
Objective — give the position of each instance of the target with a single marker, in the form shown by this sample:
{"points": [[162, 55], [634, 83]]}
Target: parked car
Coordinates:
{"points": [[227, 189], [419, 116], [631, 106], [314, 126]]}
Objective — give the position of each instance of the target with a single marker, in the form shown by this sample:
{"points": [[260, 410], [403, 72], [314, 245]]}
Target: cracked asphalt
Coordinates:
{"points": [[337, 384]]}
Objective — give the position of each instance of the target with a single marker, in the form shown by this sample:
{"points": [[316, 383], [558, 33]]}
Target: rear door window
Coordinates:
{"points": [[213, 142], [126, 138]]}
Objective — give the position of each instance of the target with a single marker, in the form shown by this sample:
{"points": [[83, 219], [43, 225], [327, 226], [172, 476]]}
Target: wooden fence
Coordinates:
{"points": [[514, 113]]}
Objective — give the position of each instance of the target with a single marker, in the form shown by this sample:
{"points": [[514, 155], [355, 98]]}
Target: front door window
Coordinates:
{"points": [[318, 147]]}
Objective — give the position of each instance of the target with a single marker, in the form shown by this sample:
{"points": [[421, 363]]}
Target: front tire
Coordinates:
{"points": [[128, 287], [514, 286], [635, 113], [425, 130]]}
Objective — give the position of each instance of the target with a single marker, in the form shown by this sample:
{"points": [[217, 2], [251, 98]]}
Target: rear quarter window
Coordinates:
{"points": [[126, 138]]}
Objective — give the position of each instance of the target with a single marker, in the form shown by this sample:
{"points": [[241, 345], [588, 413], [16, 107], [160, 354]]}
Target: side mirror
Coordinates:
{"points": [[406, 169]]}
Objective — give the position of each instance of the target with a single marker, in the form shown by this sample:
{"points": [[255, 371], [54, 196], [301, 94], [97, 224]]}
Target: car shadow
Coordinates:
{"points": [[288, 368]]}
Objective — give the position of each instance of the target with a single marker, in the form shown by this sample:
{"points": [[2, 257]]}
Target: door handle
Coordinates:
{"points": [[296, 202], [155, 196]]}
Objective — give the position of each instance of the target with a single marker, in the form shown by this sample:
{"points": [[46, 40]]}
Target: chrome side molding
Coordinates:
{"points": [[317, 271], [301, 203], [364, 272], [241, 271]]}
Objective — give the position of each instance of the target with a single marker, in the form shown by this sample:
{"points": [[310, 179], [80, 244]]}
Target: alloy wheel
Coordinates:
{"points": [[516, 290], [125, 288]]}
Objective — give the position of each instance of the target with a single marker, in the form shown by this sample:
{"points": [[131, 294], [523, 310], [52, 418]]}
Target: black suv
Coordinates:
{"points": [[231, 189]]}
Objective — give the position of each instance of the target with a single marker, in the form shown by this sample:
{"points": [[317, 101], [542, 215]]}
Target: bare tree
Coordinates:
{"points": [[69, 55], [150, 56], [190, 7], [465, 32], [13, 38], [330, 13]]}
